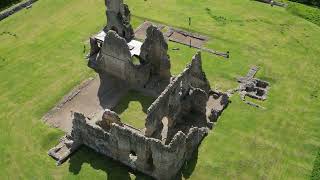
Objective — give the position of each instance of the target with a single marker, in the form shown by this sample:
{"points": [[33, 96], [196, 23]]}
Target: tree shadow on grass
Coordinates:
{"points": [[114, 170]]}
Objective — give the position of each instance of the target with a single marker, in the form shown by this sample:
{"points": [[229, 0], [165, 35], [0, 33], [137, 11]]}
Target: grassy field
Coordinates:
{"points": [[41, 59]]}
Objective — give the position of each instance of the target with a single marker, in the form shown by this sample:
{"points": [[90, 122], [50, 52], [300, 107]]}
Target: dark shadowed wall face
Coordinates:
{"points": [[308, 2], [7, 3]]}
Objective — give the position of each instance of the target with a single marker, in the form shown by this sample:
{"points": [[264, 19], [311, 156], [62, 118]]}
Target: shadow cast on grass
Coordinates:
{"points": [[114, 170], [145, 102], [110, 87]]}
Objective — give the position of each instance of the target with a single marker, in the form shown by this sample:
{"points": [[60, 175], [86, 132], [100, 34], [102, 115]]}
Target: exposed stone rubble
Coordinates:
{"points": [[62, 151], [108, 118], [252, 87]]}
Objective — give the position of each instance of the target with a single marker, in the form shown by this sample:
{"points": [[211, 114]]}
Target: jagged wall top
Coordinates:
{"points": [[118, 19]]}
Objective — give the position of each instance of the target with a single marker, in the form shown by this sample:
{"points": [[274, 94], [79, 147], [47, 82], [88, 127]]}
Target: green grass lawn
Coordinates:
{"points": [[45, 59], [132, 109]]}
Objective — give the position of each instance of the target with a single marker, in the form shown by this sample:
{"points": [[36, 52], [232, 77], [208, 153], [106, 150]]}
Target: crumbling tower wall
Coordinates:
{"points": [[187, 92], [115, 59], [118, 19], [154, 50]]}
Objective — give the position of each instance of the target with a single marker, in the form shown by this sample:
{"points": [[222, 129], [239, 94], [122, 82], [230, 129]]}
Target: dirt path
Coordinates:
{"points": [[84, 99]]}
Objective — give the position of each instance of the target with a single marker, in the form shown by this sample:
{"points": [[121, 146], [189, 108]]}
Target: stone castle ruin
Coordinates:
{"points": [[118, 15], [142, 66], [177, 121]]}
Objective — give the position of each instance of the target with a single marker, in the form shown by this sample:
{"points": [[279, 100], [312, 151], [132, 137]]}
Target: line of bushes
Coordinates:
{"points": [[309, 13], [316, 168], [308, 2], [7, 3]]}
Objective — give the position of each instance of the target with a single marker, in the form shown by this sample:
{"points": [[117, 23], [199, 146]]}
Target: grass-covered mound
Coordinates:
{"points": [[44, 60]]}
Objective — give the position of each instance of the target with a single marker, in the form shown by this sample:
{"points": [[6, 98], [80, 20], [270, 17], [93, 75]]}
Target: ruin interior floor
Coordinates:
{"points": [[84, 98]]}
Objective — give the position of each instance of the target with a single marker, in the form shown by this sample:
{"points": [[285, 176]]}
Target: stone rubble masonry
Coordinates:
{"points": [[253, 87], [192, 77], [114, 58], [144, 151], [118, 19], [162, 148], [133, 149], [154, 50], [108, 118]]}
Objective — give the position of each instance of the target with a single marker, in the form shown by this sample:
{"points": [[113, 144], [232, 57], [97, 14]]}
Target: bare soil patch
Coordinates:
{"points": [[87, 98]]}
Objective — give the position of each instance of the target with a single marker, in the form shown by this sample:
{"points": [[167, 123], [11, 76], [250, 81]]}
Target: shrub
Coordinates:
{"points": [[309, 13], [316, 168], [7, 3], [308, 2]]}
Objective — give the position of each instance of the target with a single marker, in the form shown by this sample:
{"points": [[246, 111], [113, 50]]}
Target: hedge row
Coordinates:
{"points": [[316, 168], [311, 14], [308, 2], [7, 3]]}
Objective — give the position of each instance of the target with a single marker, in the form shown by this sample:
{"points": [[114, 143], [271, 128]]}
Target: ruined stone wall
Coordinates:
{"points": [[192, 77], [154, 50], [115, 59], [130, 147], [118, 19], [12, 10]]}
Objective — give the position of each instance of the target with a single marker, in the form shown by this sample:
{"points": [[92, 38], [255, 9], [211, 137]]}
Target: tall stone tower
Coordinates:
{"points": [[118, 19]]}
